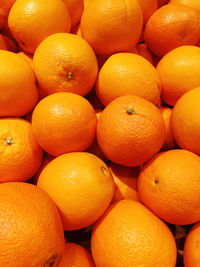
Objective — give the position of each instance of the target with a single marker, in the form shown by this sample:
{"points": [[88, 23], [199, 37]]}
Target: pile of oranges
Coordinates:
{"points": [[99, 133]]}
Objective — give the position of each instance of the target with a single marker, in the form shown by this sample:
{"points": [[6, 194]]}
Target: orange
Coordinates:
{"points": [[169, 186], [125, 179], [81, 185], [143, 50], [179, 71], [76, 256], [127, 74], [65, 62], [64, 122], [95, 148], [31, 228], [75, 8], [169, 142], [192, 247], [20, 156], [130, 130], [148, 8], [130, 235], [18, 93], [185, 121], [3, 45], [191, 3], [31, 21], [112, 26], [171, 26]]}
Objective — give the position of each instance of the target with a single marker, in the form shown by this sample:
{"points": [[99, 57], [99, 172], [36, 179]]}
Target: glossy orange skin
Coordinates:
{"points": [[169, 186], [179, 72], [18, 93], [116, 137], [171, 26], [76, 256], [31, 21], [128, 234], [21, 156], [81, 186], [31, 228], [64, 122], [127, 74], [107, 26], [191, 247], [65, 63], [191, 3], [185, 121]]}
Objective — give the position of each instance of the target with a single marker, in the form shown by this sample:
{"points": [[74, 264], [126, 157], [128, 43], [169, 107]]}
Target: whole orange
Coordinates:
{"points": [[112, 26], [18, 93], [31, 21], [169, 142], [169, 186], [76, 256], [64, 122], [171, 26], [128, 234], [75, 8], [31, 228], [179, 72], [125, 179], [81, 185], [185, 121], [127, 74], [65, 62], [192, 247], [20, 155], [130, 130]]}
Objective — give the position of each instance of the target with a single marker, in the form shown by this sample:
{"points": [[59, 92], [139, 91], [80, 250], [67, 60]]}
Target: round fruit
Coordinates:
{"points": [[185, 121], [113, 26], [179, 71], [31, 21], [65, 62], [192, 247], [125, 179], [81, 186], [127, 74], [171, 26], [20, 156], [31, 228], [76, 256], [18, 93], [64, 122], [169, 186], [130, 235], [130, 130]]}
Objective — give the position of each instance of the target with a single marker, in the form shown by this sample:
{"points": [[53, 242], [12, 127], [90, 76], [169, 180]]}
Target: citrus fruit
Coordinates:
{"points": [[128, 234], [169, 186], [31, 228], [64, 122], [130, 130], [75, 8], [81, 185], [148, 8]]}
